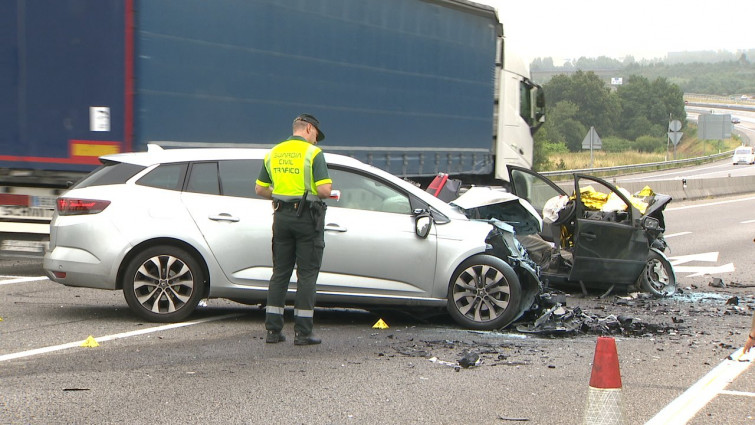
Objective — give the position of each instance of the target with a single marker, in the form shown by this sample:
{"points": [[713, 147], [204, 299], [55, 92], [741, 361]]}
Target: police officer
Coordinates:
{"points": [[295, 177]]}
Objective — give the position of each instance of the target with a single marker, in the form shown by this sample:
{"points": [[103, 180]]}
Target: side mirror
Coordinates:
{"points": [[422, 225], [650, 223]]}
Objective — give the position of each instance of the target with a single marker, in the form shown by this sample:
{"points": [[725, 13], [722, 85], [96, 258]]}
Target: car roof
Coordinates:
{"points": [[157, 155]]}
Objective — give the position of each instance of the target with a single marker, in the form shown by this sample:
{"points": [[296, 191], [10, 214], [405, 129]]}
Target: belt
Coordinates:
{"points": [[279, 205]]}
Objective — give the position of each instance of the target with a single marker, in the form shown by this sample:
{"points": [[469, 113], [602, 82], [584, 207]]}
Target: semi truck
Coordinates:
{"points": [[415, 87]]}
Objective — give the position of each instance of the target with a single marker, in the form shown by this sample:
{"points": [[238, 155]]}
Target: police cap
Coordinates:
{"points": [[312, 120]]}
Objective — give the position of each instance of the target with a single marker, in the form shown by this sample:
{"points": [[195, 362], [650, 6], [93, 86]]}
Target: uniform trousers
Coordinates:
{"points": [[297, 241]]}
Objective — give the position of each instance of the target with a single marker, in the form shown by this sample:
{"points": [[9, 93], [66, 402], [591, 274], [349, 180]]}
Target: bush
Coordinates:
{"points": [[650, 144], [616, 144], [550, 148]]}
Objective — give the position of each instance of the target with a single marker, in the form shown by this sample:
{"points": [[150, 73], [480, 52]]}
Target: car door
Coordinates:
{"points": [[603, 249], [609, 244], [235, 222], [370, 241], [537, 190]]}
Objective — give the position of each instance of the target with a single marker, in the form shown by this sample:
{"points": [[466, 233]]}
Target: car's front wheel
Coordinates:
{"points": [[484, 293], [658, 276], [163, 284]]}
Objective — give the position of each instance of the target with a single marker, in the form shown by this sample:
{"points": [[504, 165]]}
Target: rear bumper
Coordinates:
{"points": [[81, 268]]}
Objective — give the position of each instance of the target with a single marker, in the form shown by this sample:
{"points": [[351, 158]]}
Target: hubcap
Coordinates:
{"points": [[481, 293], [163, 284]]}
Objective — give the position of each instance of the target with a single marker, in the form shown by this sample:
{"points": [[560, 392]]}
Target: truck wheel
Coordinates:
{"points": [[163, 284], [658, 276], [484, 293]]}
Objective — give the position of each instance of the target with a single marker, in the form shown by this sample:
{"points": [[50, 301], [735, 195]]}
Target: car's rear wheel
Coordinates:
{"points": [[163, 284], [658, 276], [484, 293]]}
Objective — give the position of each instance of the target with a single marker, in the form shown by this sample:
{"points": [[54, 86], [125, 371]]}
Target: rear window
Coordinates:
{"points": [[743, 151], [110, 173]]}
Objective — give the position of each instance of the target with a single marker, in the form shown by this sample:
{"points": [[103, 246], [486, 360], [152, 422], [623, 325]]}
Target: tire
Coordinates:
{"points": [[657, 277], [484, 293], [163, 284]]}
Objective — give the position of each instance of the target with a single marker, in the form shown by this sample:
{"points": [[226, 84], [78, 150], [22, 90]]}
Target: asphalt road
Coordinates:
{"points": [[217, 368]]}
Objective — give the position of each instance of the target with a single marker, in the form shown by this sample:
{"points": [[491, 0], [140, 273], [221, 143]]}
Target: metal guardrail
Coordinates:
{"points": [[665, 164], [642, 167]]}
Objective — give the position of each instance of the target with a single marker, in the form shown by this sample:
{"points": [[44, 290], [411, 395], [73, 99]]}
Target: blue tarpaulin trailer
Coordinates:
{"points": [[406, 85]]}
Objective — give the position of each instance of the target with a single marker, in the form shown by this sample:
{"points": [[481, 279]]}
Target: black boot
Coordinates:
{"points": [[310, 339], [274, 337]]}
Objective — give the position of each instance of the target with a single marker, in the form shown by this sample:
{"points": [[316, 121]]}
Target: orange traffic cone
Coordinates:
{"points": [[604, 395]]}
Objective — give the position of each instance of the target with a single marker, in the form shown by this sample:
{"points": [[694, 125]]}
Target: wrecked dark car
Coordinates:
{"points": [[600, 237]]}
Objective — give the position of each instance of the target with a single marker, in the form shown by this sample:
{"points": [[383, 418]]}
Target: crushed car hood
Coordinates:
{"points": [[487, 202]]}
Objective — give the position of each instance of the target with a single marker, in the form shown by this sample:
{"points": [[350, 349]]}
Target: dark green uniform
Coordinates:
{"points": [[294, 167]]}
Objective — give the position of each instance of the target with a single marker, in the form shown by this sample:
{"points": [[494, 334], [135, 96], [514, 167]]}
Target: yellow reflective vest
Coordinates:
{"points": [[290, 168]]}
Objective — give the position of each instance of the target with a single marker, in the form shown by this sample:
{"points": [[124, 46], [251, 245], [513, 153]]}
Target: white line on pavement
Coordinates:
{"points": [[676, 234], [686, 406], [708, 204], [45, 350], [22, 279], [729, 392]]}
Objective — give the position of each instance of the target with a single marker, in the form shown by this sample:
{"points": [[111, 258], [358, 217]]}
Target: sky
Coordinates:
{"points": [[645, 29]]}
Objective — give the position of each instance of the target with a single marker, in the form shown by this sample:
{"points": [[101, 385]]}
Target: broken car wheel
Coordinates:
{"points": [[484, 293], [658, 276], [163, 284]]}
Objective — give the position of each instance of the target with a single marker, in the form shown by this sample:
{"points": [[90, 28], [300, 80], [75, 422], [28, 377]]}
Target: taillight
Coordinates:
{"points": [[71, 206]]}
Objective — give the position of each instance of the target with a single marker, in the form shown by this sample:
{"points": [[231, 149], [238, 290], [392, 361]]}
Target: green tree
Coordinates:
{"points": [[563, 125], [646, 107], [597, 107]]}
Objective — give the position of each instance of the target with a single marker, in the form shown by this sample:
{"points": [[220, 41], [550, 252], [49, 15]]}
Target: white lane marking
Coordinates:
{"points": [[747, 222], [729, 392], [709, 204], [676, 234], [686, 406], [22, 279], [702, 271], [710, 257], [53, 348]]}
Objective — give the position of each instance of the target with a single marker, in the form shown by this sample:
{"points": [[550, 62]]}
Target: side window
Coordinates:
{"points": [[536, 191], [600, 202], [110, 173], [361, 192], [168, 176], [237, 177], [203, 178]]}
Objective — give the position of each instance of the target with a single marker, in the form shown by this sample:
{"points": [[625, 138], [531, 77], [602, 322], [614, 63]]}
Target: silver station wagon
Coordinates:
{"points": [[170, 227]]}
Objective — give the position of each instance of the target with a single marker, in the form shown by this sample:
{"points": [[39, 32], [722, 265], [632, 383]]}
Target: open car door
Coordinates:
{"points": [[609, 244], [537, 190]]}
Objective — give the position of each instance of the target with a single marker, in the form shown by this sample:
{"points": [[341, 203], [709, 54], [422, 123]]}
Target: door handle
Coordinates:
{"points": [[589, 236], [224, 217], [334, 227]]}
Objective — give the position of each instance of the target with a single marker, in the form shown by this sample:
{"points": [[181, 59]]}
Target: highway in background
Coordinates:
{"points": [[722, 168]]}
